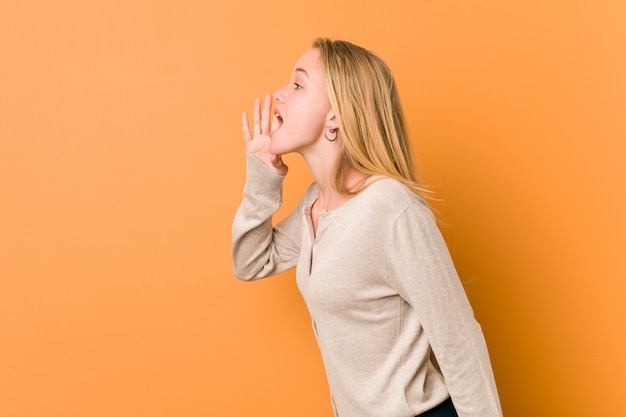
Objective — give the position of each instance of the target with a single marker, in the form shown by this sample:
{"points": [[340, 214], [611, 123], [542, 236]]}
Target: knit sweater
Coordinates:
{"points": [[394, 326]]}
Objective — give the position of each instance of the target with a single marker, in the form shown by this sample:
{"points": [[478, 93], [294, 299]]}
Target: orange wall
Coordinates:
{"points": [[121, 166]]}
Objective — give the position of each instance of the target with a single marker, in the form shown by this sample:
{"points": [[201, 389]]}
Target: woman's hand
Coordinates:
{"points": [[259, 144]]}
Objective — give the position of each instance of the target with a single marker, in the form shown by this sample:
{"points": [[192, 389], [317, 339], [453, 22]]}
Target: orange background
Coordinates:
{"points": [[121, 167]]}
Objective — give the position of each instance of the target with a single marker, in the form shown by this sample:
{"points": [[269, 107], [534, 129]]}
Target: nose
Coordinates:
{"points": [[279, 95]]}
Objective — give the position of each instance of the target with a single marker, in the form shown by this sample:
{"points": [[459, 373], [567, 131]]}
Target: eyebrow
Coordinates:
{"points": [[301, 70]]}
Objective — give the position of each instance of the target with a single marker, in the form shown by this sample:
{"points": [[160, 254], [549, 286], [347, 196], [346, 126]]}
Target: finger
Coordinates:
{"points": [[265, 116], [245, 128], [257, 117]]}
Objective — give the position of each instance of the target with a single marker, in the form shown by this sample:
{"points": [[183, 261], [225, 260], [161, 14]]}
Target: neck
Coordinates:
{"points": [[322, 170]]}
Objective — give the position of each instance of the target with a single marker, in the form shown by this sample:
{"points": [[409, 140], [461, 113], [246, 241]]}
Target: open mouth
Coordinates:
{"points": [[278, 121]]}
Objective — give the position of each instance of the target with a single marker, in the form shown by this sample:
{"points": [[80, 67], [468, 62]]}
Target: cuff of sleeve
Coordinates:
{"points": [[260, 179]]}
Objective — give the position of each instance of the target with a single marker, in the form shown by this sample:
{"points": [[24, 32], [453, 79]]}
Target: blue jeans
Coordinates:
{"points": [[445, 409]]}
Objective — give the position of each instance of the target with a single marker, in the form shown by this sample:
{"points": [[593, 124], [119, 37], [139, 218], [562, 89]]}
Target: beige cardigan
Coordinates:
{"points": [[394, 326]]}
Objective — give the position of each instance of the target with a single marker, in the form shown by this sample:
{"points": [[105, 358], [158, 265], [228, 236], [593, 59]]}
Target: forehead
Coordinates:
{"points": [[309, 61]]}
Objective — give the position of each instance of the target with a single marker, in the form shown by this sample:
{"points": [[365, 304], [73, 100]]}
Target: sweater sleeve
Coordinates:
{"points": [[420, 266], [258, 248]]}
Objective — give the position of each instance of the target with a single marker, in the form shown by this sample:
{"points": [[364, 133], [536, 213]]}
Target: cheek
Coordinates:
{"points": [[315, 112]]}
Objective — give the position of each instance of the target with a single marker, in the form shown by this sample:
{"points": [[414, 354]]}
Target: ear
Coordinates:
{"points": [[332, 120]]}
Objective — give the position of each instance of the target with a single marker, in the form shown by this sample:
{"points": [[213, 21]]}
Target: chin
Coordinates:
{"points": [[274, 148], [277, 143]]}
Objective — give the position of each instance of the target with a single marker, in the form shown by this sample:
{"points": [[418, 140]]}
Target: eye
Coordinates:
{"points": [[297, 86]]}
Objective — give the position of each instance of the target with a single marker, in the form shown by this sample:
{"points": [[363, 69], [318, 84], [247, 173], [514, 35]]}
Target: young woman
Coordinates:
{"points": [[396, 331]]}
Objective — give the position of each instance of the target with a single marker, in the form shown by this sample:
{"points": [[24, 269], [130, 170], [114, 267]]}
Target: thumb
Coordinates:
{"points": [[278, 163]]}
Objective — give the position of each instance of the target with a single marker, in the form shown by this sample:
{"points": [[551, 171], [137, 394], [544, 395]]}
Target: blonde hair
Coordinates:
{"points": [[362, 92]]}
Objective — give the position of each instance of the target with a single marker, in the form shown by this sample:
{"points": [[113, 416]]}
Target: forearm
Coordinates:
{"points": [[257, 247]]}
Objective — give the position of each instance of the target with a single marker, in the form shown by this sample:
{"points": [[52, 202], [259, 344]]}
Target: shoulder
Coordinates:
{"points": [[385, 205], [390, 198]]}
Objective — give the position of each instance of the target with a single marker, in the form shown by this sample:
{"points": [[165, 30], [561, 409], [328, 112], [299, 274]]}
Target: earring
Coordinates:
{"points": [[331, 131]]}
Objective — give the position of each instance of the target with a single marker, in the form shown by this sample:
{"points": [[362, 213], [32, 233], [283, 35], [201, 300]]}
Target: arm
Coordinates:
{"points": [[259, 249], [420, 266]]}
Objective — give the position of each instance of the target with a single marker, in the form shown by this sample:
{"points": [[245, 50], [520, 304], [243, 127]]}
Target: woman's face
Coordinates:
{"points": [[302, 109]]}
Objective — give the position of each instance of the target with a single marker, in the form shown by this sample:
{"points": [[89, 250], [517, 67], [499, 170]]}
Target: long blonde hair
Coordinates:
{"points": [[362, 92]]}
